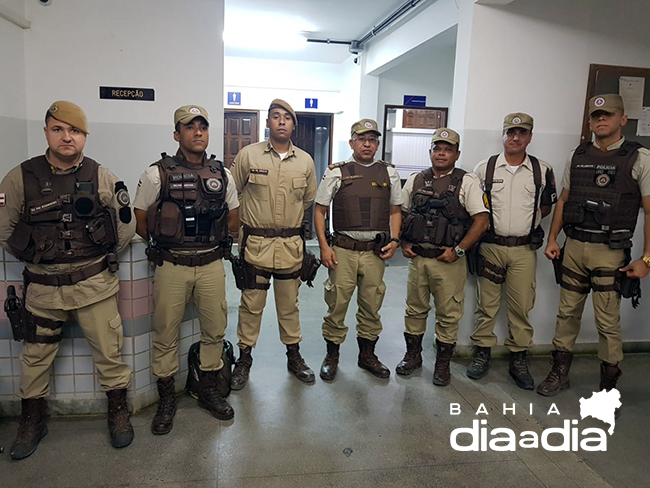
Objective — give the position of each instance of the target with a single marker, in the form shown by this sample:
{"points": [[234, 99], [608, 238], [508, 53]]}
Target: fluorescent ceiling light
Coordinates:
{"points": [[267, 31]]}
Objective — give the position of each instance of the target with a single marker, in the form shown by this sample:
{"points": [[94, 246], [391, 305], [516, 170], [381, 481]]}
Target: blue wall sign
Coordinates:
{"points": [[311, 102], [415, 100], [234, 98]]}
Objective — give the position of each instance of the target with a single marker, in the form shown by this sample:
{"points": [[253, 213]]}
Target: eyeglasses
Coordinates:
{"points": [[517, 132], [363, 140]]}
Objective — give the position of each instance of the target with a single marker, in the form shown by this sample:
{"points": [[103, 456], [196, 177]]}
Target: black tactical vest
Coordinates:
{"points": [[436, 215], [63, 220], [603, 196], [192, 210], [363, 200]]}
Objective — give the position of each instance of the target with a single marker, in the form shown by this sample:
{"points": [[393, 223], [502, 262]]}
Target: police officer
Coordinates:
{"points": [[366, 196], [445, 215], [277, 183], [521, 191], [185, 204], [66, 217], [604, 184]]}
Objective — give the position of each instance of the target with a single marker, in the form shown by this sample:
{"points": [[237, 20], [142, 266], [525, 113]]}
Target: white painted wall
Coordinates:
{"points": [[534, 56], [336, 86], [13, 125], [75, 46]]}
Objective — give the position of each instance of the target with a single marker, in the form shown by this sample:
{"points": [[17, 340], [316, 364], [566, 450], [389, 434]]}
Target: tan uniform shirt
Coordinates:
{"points": [[274, 194], [513, 195], [94, 289], [331, 183]]}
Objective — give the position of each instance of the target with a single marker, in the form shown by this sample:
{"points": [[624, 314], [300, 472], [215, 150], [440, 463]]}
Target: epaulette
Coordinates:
{"points": [[337, 165]]}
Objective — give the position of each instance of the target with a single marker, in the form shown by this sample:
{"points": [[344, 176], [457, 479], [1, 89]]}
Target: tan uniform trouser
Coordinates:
{"points": [[362, 269], [102, 327], [520, 263], [286, 303], [174, 286], [446, 282], [582, 258]]}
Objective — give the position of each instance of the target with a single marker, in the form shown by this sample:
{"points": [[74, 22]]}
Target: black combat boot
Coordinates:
{"points": [[558, 378], [211, 399], [441, 372], [296, 364], [518, 369], [163, 421], [331, 362], [368, 360], [413, 357], [609, 375], [32, 428], [119, 424], [480, 363], [242, 368]]}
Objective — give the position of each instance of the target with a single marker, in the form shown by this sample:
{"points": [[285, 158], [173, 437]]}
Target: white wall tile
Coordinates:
{"points": [[186, 328], [81, 347], [84, 382], [63, 365], [64, 384], [14, 272], [5, 367], [6, 386], [140, 270], [142, 343], [137, 251], [5, 348], [83, 365], [143, 378], [65, 347], [142, 361], [127, 348]]}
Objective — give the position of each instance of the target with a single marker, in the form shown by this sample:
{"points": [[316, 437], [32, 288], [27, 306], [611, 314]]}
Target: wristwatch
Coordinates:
{"points": [[395, 239], [459, 252], [646, 261]]}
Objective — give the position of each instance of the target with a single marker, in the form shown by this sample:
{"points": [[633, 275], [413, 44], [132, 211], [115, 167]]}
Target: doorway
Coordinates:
{"points": [[407, 136], [240, 129], [313, 135]]}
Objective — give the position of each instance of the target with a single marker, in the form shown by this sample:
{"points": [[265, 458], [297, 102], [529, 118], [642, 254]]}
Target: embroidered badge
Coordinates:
{"points": [[259, 171], [213, 184], [53, 108], [486, 203], [444, 133], [599, 102], [516, 120], [195, 111], [603, 180], [368, 125]]}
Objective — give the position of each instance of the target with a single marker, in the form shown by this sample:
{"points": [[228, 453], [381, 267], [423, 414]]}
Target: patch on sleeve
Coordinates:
{"points": [[3, 199], [486, 202], [139, 183]]}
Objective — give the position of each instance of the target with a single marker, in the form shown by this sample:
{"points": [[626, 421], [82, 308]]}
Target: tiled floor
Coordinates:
{"points": [[359, 431]]}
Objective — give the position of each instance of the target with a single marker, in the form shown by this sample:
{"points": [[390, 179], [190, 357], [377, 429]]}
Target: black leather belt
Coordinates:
{"points": [[256, 231], [191, 259], [68, 278], [346, 242], [427, 253], [508, 241]]}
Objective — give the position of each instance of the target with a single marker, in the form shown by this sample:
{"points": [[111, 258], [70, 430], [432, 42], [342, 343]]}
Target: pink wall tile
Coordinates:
{"points": [[125, 290], [140, 288], [125, 308], [140, 307]]}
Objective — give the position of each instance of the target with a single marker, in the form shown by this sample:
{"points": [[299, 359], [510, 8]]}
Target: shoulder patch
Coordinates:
{"points": [[486, 203], [337, 165], [3, 200]]}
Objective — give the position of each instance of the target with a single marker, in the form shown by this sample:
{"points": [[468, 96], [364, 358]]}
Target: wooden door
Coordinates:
{"points": [[240, 129], [424, 119]]}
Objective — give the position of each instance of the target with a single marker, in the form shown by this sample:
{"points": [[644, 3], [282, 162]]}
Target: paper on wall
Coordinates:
{"points": [[643, 126], [631, 89]]}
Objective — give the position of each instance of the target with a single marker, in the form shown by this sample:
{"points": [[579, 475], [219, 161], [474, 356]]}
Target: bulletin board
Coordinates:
{"points": [[605, 78]]}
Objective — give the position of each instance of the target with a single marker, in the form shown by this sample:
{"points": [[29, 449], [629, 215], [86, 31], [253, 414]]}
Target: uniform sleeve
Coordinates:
{"points": [[312, 187], [396, 197], [549, 195], [231, 192], [642, 169], [406, 193], [566, 178], [471, 196], [480, 170], [148, 188], [239, 170], [12, 202], [328, 187], [108, 197]]}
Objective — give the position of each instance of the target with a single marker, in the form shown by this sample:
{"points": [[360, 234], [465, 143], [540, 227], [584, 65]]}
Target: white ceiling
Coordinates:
{"points": [[324, 19]]}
